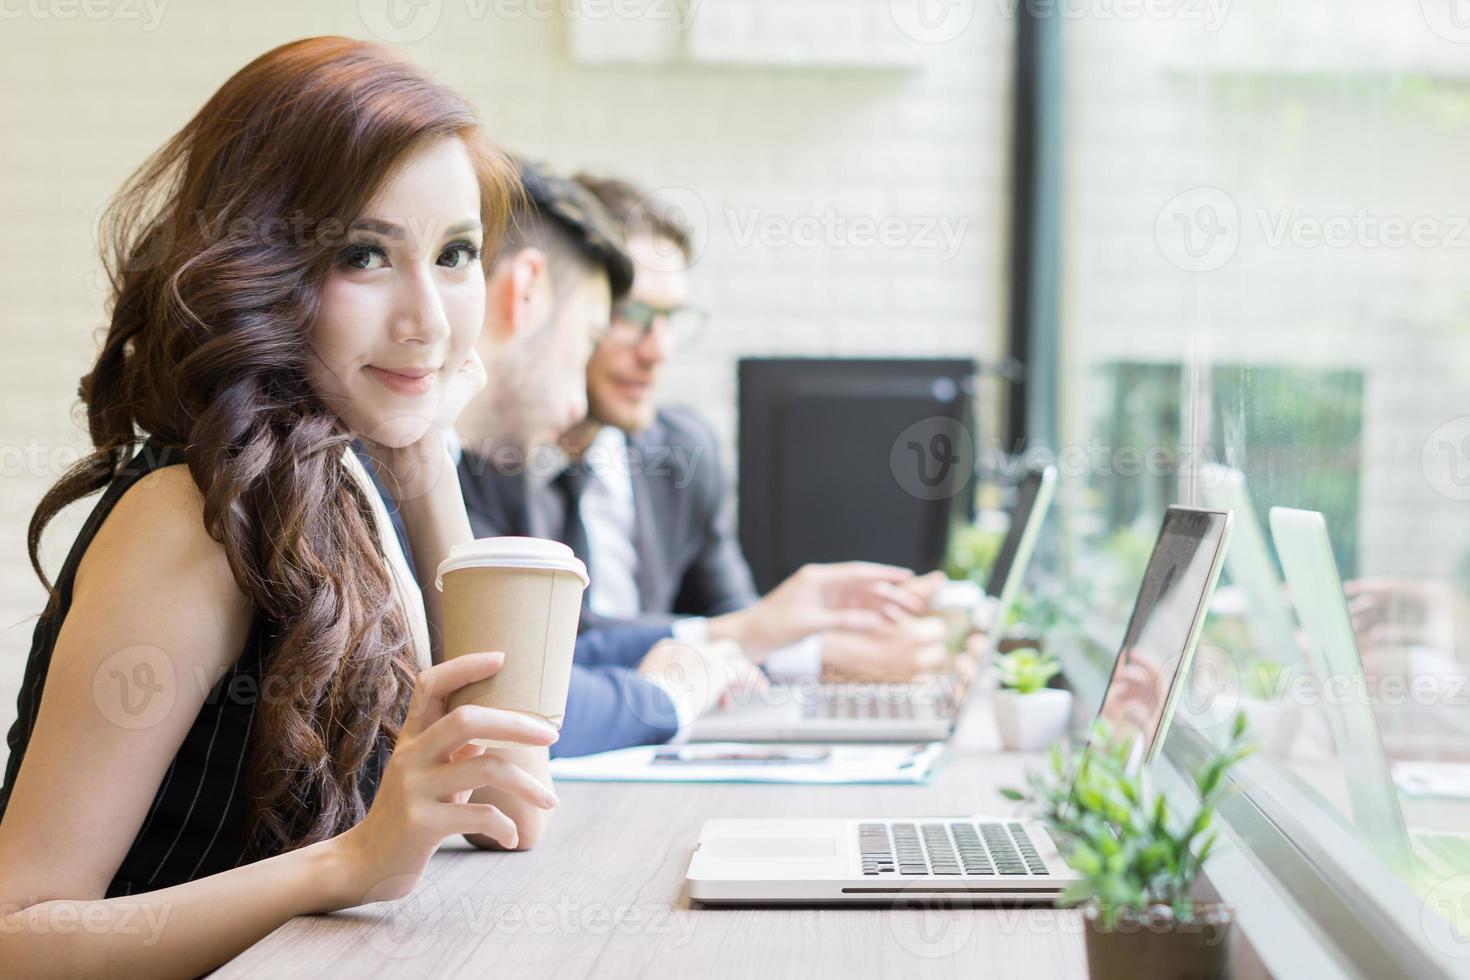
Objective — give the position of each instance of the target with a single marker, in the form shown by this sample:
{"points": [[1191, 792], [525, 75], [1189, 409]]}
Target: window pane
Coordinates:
{"points": [[1266, 303]]}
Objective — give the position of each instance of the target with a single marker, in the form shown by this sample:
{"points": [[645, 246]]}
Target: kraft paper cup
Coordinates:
{"points": [[522, 596]]}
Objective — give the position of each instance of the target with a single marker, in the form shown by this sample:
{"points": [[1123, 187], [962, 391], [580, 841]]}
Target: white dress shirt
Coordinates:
{"points": [[605, 511], [608, 518]]}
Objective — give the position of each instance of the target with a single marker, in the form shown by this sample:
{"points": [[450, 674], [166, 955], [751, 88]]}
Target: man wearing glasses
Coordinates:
{"points": [[644, 503], [550, 288]]}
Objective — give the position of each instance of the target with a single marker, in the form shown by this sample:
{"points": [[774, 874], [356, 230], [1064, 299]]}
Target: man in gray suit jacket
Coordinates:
{"points": [[644, 500], [688, 563]]}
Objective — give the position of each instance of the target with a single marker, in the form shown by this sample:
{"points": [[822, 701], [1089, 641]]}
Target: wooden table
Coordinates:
{"points": [[602, 895]]}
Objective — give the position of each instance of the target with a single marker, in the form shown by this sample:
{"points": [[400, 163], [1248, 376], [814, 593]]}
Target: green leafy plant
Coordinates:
{"points": [[1134, 854], [1026, 670], [972, 552], [1263, 680], [1035, 612]]}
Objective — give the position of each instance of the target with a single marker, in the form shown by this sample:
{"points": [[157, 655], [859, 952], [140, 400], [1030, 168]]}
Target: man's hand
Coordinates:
{"points": [[921, 590], [892, 654], [849, 596], [1393, 613], [700, 679], [1135, 694]]}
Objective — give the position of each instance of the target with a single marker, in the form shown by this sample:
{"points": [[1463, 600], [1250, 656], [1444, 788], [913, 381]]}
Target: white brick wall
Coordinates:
{"points": [[87, 99]]}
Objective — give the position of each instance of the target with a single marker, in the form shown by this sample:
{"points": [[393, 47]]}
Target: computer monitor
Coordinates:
{"points": [[1168, 614], [853, 460]]}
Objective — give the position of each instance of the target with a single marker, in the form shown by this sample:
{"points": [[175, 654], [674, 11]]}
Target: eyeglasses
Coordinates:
{"points": [[633, 320]]}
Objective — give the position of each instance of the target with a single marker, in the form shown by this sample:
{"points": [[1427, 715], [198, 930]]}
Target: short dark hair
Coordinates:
{"points": [[568, 223], [638, 211]]}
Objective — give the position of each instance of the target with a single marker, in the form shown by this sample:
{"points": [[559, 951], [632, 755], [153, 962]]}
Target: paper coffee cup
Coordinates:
{"points": [[522, 596], [955, 603]]}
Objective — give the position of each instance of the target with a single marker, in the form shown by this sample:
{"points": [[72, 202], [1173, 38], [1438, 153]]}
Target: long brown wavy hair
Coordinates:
{"points": [[216, 249]]}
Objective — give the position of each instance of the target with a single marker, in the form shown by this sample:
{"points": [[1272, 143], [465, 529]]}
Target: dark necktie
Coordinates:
{"points": [[569, 484]]}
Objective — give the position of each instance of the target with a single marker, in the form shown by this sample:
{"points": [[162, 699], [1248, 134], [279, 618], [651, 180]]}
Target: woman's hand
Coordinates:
{"points": [[460, 388], [425, 789]]}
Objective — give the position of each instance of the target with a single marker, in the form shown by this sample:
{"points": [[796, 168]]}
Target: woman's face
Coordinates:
{"points": [[405, 300]]}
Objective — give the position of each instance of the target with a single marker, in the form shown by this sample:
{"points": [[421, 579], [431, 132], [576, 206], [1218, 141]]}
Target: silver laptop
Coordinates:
{"points": [[921, 711], [1316, 587], [975, 860]]}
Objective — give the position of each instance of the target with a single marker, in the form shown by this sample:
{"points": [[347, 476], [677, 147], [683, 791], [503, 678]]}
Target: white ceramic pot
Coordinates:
{"points": [[1029, 722]]}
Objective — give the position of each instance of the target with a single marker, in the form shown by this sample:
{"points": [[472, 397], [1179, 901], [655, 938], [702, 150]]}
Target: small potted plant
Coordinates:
{"points": [[1029, 714], [1137, 859], [972, 551], [1044, 619]]}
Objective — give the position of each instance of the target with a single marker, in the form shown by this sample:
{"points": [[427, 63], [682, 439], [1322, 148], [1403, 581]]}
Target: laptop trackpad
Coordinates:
{"points": [[786, 847]]}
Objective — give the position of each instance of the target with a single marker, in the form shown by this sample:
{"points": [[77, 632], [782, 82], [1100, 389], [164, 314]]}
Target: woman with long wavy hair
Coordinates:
{"points": [[229, 715]]}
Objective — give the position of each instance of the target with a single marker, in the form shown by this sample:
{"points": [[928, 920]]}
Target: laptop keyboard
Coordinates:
{"points": [[842, 702], [954, 847]]}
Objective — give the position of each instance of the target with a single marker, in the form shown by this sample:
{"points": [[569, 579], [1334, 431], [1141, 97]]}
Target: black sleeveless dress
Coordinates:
{"points": [[198, 822]]}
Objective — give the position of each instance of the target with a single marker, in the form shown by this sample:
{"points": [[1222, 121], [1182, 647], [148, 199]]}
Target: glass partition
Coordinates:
{"points": [[1266, 303]]}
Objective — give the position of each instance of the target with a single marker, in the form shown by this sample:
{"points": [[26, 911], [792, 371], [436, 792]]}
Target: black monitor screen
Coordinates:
{"points": [[852, 460]]}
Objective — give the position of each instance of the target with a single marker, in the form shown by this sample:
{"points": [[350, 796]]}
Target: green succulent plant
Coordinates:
{"points": [[1026, 670], [1133, 853]]}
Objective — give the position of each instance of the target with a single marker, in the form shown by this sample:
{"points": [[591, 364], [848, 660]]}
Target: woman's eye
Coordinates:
{"points": [[459, 255], [364, 257]]}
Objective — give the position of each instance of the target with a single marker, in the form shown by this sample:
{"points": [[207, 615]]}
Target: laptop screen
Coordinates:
{"points": [[1033, 499], [1160, 637], [1010, 548]]}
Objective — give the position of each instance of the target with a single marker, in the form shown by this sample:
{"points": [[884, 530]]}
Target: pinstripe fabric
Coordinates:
{"points": [[197, 823]]}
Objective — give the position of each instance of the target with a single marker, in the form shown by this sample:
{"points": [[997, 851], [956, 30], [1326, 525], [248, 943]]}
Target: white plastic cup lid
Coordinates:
{"points": [[534, 553], [960, 594]]}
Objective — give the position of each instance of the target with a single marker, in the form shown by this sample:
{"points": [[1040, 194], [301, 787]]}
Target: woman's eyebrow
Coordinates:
{"points": [[394, 232], [472, 225], [378, 227]]}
